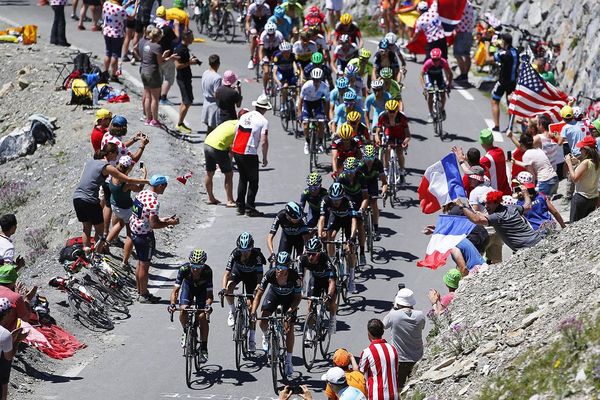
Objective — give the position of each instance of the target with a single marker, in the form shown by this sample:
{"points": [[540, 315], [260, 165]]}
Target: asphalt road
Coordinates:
{"points": [[145, 359]]}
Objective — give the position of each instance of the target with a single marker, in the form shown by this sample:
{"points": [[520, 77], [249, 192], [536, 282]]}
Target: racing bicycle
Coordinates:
{"points": [[223, 23], [317, 332], [191, 348], [277, 348], [314, 141], [241, 326], [369, 230], [341, 264], [396, 179], [287, 112], [201, 15], [438, 112]]}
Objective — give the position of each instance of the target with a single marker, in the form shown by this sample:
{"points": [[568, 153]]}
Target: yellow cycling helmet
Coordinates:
{"points": [[346, 131], [353, 116], [346, 19], [392, 105], [364, 53], [566, 112]]}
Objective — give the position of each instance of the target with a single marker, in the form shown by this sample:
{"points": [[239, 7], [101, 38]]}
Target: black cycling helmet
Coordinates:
{"points": [[245, 241], [293, 210], [336, 191], [314, 245]]}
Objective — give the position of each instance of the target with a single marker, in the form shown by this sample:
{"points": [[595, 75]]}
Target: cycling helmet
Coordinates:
{"points": [[436, 53], [422, 6], [341, 83], [283, 258], [386, 72], [198, 257], [384, 44], [285, 46], [392, 105], [566, 112], [336, 191], [350, 95], [293, 210], [364, 53], [369, 151], [344, 39], [259, 2], [350, 164], [314, 179], [353, 116], [179, 4], [351, 70], [377, 84], [391, 37], [317, 58], [314, 10], [270, 27], [245, 241], [346, 131], [279, 12], [316, 73], [577, 112], [314, 245], [346, 19]]}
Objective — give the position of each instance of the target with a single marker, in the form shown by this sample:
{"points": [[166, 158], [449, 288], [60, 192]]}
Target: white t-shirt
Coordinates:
{"points": [[477, 196], [6, 343], [250, 128], [7, 249], [311, 93], [541, 164]]}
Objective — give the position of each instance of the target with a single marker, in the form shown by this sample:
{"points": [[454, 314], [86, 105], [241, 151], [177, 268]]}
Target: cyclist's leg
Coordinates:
{"points": [[265, 70], [184, 302], [400, 153], [250, 280], [289, 328], [202, 319], [285, 243], [373, 189], [269, 305], [332, 229]]}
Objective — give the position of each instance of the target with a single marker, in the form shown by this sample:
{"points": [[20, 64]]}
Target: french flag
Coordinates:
{"points": [[441, 184], [449, 231]]}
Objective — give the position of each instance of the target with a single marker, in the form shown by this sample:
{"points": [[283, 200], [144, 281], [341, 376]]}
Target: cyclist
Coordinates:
{"points": [[322, 278], [359, 129], [282, 22], [339, 212], [312, 195], [284, 288], [303, 49], [294, 232], [433, 71], [316, 61], [344, 145], [394, 48], [392, 130], [347, 27], [256, 18], [363, 65], [314, 21], [195, 282], [318, 37], [312, 104], [372, 169], [269, 42], [295, 11], [376, 101], [350, 104], [284, 69], [391, 86], [336, 96], [314, 13], [355, 81], [384, 57], [343, 53], [245, 264]]}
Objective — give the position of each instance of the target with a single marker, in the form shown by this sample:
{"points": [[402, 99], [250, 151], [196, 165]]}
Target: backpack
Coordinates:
{"points": [[82, 63], [81, 94], [72, 249]]}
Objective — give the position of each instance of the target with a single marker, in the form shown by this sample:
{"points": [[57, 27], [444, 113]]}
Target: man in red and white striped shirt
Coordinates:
{"points": [[379, 364], [494, 162]]}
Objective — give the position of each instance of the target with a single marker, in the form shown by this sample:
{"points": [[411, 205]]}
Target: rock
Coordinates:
{"points": [[528, 320], [7, 87], [580, 377], [23, 83], [16, 144], [464, 390], [514, 338], [445, 363], [487, 348]]}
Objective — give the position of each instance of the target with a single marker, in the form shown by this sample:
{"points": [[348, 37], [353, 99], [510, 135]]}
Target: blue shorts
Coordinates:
{"points": [[287, 77], [113, 46], [192, 296], [144, 246], [312, 111]]}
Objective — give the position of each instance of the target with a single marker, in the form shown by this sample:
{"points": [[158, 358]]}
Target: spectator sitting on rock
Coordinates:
{"points": [[344, 360], [440, 303], [8, 225], [506, 220], [9, 344], [103, 118]]}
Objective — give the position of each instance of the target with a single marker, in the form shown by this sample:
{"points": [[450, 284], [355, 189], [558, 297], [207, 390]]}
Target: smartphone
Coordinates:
{"points": [[508, 155], [401, 286], [296, 390], [141, 164]]}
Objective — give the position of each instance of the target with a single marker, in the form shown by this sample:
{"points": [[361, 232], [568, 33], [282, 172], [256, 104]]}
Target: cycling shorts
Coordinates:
{"points": [[271, 301], [317, 286], [289, 242], [312, 218], [312, 109], [258, 24], [337, 223], [250, 279], [287, 77], [192, 296], [269, 52], [357, 198], [144, 246], [435, 78], [373, 188]]}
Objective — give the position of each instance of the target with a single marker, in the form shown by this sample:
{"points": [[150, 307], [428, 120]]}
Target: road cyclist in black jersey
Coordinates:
{"points": [[373, 171], [312, 195], [294, 232]]}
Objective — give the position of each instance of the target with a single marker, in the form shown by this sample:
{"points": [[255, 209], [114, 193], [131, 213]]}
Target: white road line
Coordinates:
{"points": [[465, 94], [497, 135], [76, 370]]}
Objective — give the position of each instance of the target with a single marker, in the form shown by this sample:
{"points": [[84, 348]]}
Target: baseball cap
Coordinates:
{"points": [[587, 141], [156, 180], [405, 297], [102, 114], [477, 173], [452, 278], [119, 120], [341, 358], [596, 125], [8, 273], [486, 136], [334, 375], [5, 304]]}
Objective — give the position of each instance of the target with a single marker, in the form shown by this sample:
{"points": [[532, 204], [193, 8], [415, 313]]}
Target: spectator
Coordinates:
{"points": [[585, 177], [58, 34], [211, 81], [506, 220], [131, 7], [103, 118], [539, 165], [473, 158], [548, 142], [183, 64], [344, 360], [464, 40], [251, 131], [142, 20], [430, 24], [170, 37], [286, 393], [479, 235], [18, 295], [479, 187], [467, 257], [8, 225], [144, 220], [440, 303], [9, 344], [338, 384], [595, 131], [113, 29], [494, 162], [571, 134], [406, 325], [379, 364], [508, 57], [228, 96], [94, 6]]}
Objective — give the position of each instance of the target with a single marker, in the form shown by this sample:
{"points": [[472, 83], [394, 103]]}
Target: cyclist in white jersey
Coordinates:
{"points": [[269, 42], [314, 97], [256, 18]]}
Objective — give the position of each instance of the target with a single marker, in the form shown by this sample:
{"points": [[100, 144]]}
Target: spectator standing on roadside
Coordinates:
{"points": [[9, 344], [494, 162], [113, 29], [337, 384], [131, 7], [168, 41], [406, 325], [228, 96], [58, 34], [539, 165], [430, 24], [252, 131], [8, 226], [440, 303], [571, 134], [548, 142], [144, 220], [585, 177], [343, 359], [103, 119], [379, 364], [183, 63], [94, 6], [211, 81], [508, 57], [142, 20], [464, 40]]}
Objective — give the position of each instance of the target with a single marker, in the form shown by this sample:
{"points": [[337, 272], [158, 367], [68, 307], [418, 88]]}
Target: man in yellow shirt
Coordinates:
{"points": [[344, 359], [216, 152]]}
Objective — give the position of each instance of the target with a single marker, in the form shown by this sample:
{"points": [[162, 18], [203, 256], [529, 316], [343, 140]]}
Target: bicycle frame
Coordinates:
{"points": [[277, 347]]}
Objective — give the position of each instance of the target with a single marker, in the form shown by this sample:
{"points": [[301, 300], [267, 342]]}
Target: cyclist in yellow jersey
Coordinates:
{"points": [[363, 65], [391, 86]]}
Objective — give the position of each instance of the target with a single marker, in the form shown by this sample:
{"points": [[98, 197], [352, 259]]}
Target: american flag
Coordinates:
{"points": [[534, 95]]}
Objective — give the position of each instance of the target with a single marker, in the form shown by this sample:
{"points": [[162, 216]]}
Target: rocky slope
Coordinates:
{"points": [[523, 329]]}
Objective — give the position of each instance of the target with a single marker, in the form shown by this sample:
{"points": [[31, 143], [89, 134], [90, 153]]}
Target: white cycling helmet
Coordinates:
{"points": [[376, 84], [391, 37], [270, 27], [422, 6], [285, 46], [316, 73]]}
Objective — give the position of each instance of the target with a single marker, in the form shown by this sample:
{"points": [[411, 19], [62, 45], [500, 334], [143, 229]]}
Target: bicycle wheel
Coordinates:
{"points": [[107, 296], [284, 117], [325, 333], [344, 281], [437, 115], [89, 312], [239, 339], [274, 359], [215, 29], [190, 354], [229, 27], [312, 150], [369, 232], [309, 345]]}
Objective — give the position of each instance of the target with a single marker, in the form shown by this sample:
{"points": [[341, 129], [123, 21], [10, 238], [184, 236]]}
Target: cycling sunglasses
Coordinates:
{"points": [[312, 254], [248, 250], [315, 187], [282, 267]]}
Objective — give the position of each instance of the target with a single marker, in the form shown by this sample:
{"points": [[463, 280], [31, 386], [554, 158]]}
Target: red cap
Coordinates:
{"points": [[529, 185], [587, 141]]}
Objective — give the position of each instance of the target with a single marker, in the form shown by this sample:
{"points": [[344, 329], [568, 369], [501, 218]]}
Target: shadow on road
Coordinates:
{"points": [[211, 374], [420, 138], [384, 256], [360, 303], [25, 368], [453, 136]]}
